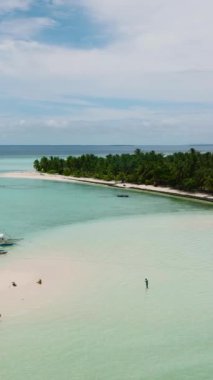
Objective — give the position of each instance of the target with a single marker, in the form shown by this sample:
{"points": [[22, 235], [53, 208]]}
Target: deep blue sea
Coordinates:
{"points": [[64, 150], [21, 157]]}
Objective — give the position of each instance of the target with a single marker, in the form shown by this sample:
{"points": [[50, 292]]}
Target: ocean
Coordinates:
{"points": [[21, 157], [66, 150], [92, 318]]}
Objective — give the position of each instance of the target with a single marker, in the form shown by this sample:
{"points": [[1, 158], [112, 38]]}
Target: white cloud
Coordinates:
{"points": [[30, 66], [165, 51], [25, 28], [12, 5], [161, 50], [180, 19], [125, 126]]}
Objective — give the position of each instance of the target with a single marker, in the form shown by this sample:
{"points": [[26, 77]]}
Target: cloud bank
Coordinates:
{"points": [[156, 51]]}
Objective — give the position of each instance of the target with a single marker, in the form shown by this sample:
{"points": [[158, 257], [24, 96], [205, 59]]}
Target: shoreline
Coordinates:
{"points": [[129, 186]]}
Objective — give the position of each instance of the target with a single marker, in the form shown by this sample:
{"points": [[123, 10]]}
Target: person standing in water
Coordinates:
{"points": [[147, 283]]}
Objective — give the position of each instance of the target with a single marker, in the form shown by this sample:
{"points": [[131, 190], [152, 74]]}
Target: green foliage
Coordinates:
{"points": [[36, 165], [52, 171], [191, 171], [66, 171]]}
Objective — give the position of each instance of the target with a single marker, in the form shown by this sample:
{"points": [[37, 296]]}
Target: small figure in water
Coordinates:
{"points": [[147, 283], [14, 284], [39, 281]]}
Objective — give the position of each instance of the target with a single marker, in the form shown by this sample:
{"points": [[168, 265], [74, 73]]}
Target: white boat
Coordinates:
{"points": [[5, 241]]}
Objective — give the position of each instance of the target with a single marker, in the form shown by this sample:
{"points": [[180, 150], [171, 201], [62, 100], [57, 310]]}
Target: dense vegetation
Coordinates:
{"points": [[185, 171]]}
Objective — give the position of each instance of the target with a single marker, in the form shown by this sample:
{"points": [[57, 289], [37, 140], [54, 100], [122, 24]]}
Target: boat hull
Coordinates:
{"points": [[6, 244]]}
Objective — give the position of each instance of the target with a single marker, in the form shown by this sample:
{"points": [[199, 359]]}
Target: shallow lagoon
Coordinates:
{"points": [[105, 325], [29, 206]]}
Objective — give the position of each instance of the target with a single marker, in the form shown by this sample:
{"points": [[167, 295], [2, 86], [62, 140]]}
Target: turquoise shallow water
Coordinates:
{"points": [[108, 326], [112, 328], [29, 206], [16, 163]]}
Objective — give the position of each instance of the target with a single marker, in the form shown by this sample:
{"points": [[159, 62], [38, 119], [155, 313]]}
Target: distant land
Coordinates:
{"points": [[77, 150], [188, 171]]}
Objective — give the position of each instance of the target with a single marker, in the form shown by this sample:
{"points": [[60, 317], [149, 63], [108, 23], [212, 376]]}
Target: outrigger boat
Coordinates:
{"points": [[6, 241]]}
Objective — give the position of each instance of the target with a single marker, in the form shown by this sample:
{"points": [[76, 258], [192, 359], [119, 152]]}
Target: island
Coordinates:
{"points": [[190, 172]]}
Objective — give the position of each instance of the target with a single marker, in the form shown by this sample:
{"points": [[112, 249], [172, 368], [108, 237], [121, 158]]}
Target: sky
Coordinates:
{"points": [[106, 72]]}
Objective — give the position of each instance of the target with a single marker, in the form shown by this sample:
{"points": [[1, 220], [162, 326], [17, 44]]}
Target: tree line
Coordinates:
{"points": [[190, 171]]}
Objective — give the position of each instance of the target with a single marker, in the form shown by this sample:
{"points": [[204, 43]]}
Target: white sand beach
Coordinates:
{"points": [[129, 186]]}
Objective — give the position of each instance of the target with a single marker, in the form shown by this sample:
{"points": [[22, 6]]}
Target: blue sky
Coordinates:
{"points": [[106, 71]]}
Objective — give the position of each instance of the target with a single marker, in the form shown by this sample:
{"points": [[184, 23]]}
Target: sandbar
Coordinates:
{"points": [[61, 278]]}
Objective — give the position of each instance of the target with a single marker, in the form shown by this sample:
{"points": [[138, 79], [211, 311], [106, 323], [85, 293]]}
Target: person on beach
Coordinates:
{"points": [[147, 283]]}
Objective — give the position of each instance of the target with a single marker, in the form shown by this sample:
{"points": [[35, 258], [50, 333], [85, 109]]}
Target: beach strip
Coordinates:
{"points": [[129, 186]]}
